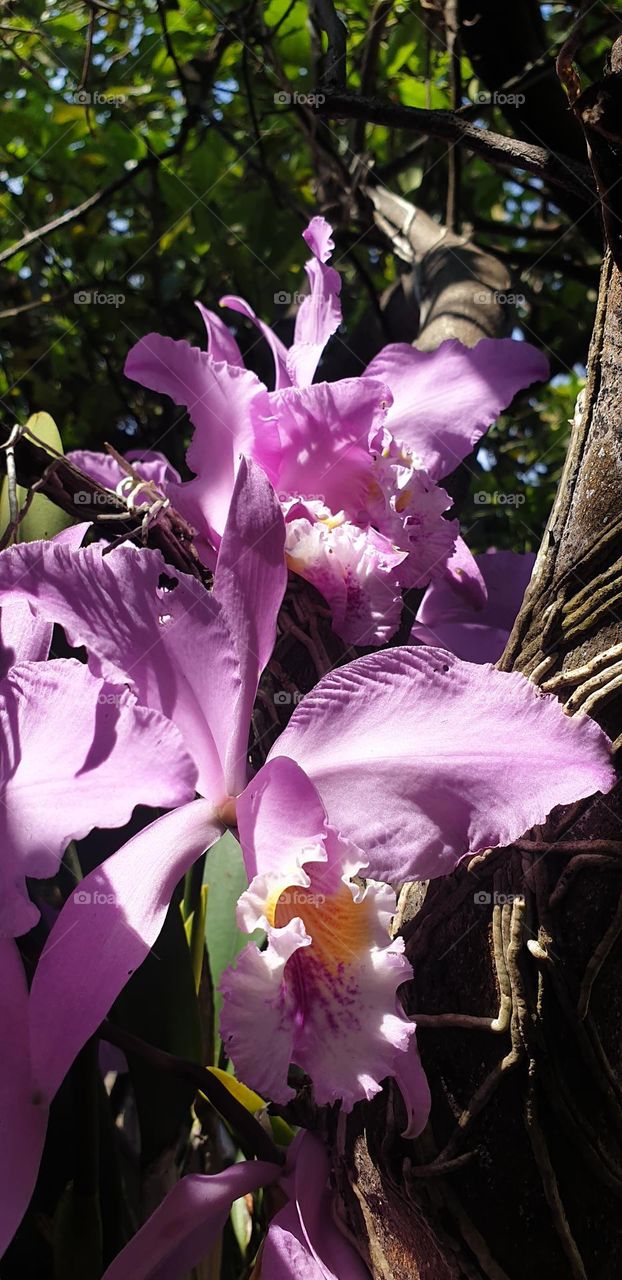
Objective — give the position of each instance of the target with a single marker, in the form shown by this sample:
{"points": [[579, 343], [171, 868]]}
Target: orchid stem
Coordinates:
{"points": [[253, 1137]]}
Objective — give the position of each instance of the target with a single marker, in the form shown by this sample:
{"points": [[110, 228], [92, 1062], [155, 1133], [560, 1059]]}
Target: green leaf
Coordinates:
{"points": [[194, 925], [225, 875], [43, 519]]}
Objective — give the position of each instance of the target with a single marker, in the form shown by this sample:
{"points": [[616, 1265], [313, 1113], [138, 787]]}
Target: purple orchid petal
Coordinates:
{"points": [[141, 632], [303, 1241], [249, 584], [326, 983], [259, 1012], [409, 508], [356, 570], [464, 576], [319, 314], [324, 431], [72, 536], [105, 469], [219, 398], [414, 1088], [221, 344], [275, 821], [23, 1117], [101, 467], [25, 636], [419, 757], [50, 797], [444, 400], [278, 348], [477, 635], [105, 931], [186, 1226]]}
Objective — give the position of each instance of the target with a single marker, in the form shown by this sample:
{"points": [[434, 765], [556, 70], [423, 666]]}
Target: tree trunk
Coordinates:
{"points": [[520, 1167]]}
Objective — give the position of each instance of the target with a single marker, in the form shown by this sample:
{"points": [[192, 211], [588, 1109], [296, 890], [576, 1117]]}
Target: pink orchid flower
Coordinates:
{"points": [[356, 462], [326, 983], [416, 757]]}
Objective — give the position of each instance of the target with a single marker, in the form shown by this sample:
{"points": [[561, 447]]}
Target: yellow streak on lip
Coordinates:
{"points": [[333, 522], [339, 927]]}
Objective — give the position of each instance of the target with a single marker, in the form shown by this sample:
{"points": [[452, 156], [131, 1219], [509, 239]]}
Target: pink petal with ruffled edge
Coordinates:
{"points": [[25, 636], [408, 508], [278, 348], [221, 344], [319, 314], [477, 635], [23, 1118], [444, 400], [327, 981], [138, 631], [259, 1012], [230, 410], [50, 797], [419, 757], [357, 572]]}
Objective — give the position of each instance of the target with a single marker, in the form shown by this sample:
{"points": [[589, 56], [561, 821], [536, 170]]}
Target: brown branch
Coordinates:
{"points": [[454, 156], [334, 77], [170, 48], [377, 25], [88, 50], [498, 150]]}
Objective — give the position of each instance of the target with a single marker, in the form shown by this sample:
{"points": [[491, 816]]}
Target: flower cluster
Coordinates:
{"points": [[392, 768]]}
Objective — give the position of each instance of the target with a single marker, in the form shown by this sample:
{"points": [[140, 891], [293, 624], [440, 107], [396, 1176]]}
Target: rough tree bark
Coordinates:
{"points": [[517, 956]]}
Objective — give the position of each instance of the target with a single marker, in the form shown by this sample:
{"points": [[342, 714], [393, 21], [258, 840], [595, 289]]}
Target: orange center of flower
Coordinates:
{"points": [[339, 927]]}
